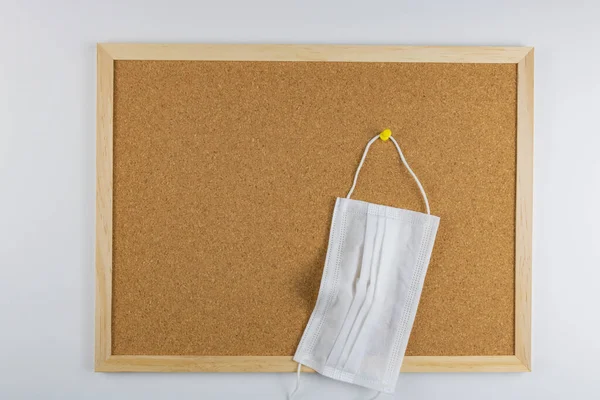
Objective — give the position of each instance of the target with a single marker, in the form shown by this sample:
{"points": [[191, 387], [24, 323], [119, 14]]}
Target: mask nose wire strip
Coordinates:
{"points": [[362, 161], [297, 382]]}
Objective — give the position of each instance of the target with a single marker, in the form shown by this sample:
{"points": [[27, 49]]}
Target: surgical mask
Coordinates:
{"points": [[374, 271]]}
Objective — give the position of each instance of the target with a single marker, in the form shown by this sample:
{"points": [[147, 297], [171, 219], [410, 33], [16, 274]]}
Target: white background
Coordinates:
{"points": [[47, 182]]}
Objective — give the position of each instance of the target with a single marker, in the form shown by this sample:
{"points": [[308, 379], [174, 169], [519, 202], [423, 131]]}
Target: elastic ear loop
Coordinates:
{"points": [[297, 382], [362, 161], [376, 396]]}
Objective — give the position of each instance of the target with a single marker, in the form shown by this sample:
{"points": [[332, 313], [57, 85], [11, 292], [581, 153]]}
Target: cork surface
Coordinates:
{"points": [[225, 178]]}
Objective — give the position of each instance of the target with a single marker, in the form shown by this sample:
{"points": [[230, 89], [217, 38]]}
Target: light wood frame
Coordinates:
{"points": [[108, 53]]}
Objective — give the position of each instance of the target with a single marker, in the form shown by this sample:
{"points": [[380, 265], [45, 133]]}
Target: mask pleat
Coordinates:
{"points": [[355, 345], [360, 284]]}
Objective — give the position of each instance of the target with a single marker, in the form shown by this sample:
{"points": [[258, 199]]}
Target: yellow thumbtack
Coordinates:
{"points": [[385, 135]]}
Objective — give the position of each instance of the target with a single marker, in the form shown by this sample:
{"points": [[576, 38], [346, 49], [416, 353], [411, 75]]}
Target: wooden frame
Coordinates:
{"points": [[107, 53]]}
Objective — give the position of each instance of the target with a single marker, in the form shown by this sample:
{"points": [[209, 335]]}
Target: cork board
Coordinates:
{"points": [[225, 174]]}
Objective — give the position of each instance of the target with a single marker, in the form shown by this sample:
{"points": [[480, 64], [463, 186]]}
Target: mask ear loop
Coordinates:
{"points": [[297, 382], [376, 396], [385, 135]]}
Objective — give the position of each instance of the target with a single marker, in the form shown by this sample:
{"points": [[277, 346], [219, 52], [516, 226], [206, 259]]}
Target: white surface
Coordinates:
{"points": [[47, 107]]}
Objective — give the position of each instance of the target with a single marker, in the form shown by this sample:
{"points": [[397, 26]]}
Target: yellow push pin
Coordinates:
{"points": [[385, 135]]}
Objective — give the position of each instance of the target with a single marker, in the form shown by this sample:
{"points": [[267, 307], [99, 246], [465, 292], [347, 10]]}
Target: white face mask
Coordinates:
{"points": [[374, 271]]}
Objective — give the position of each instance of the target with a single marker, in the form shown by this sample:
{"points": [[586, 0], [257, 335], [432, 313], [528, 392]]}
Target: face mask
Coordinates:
{"points": [[374, 271]]}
